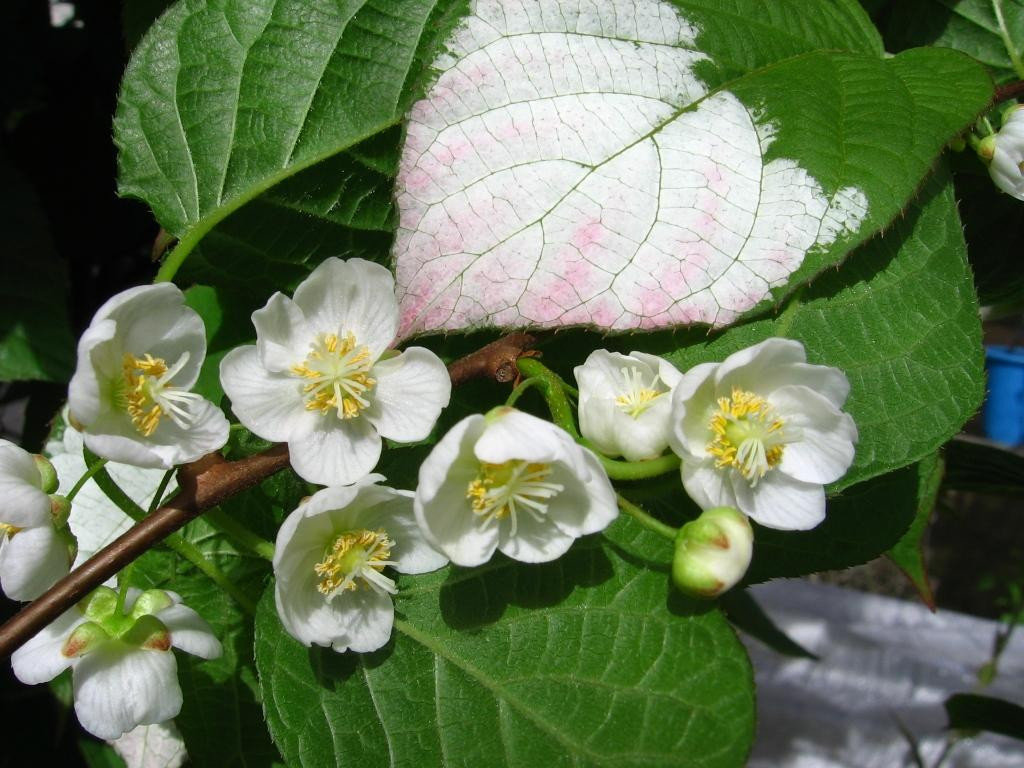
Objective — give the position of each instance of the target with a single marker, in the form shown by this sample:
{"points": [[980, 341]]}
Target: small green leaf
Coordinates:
{"points": [[971, 712], [980, 468], [583, 661]]}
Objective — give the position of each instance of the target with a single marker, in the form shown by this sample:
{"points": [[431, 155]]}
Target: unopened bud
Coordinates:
{"points": [[47, 474], [86, 637], [712, 552]]}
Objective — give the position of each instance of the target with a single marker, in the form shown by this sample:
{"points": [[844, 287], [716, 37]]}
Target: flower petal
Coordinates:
{"points": [[97, 353], [646, 436], [780, 501], [512, 434], [40, 660], [371, 616], [412, 553], [32, 561], [441, 508], [588, 504], [411, 390], [337, 453], [189, 632], [830, 382], [746, 367], [118, 688], [536, 541], [828, 436], [707, 485], [693, 404], [24, 502], [270, 404], [354, 296], [282, 334]]}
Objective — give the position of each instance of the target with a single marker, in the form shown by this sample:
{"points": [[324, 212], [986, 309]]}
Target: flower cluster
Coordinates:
{"points": [[758, 435]]}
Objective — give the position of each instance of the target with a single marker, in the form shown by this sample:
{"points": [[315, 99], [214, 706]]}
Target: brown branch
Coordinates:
{"points": [[202, 485], [495, 361], [1009, 91]]}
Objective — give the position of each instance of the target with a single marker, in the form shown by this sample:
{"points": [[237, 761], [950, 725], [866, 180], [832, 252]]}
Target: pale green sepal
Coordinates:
{"points": [[47, 474], [86, 637], [152, 601]]}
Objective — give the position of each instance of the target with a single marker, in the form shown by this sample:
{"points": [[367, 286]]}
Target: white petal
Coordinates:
{"points": [[781, 502], [830, 382], [646, 436], [511, 434], [412, 553], [282, 334], [706, 485], [337, 453], [371, 616], [31, 562], [588, 504], [667, 372], [411, 390], [118, 688], [746, 367], [152, 746], [536, 541], [270, 404], [189, 632], [354, 296], [24, 503], [85, 400], [115, 438], [441, 508], [693, 404], [827, 436], [40, 660]]}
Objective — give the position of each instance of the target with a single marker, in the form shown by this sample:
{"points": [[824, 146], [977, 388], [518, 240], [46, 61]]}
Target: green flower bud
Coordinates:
{"points": [[47, 474], [86, 637], [712, 552]]}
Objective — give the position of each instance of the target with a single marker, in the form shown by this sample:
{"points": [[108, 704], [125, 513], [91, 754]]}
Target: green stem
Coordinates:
{"points": [[1004, 33], [648, 522], [122, 589], [175, 542], [158, 494], [89, 472], [553, 389], [239, 534], [524, 385]]}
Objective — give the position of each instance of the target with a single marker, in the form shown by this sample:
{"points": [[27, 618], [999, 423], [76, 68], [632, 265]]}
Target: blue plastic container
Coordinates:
{"points": [[1004, 408]]}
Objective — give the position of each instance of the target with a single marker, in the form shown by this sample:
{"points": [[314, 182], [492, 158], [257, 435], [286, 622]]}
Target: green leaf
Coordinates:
{"points": [[675, 197], [980, 468], [582, 661], [971, 26], [971, 712], [907, 553], [900, 318], [35, 338], [224, 100], [861, 523], [99, 755], [221, 719]]}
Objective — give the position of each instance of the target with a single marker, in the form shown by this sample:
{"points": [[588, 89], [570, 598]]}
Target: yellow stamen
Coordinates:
{"points": [[8, 530], [503, 490], [637, 398], [355, 554], [338, 372], [747, 436], [137, 395]]}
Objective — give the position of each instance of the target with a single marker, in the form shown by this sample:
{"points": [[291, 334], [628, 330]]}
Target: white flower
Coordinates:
{"points": [[625, 403], [33, 553], [763, 431], [123, 670], [1005, 153], [321, 379], [329, 561], [513, 482], [137, 361]]}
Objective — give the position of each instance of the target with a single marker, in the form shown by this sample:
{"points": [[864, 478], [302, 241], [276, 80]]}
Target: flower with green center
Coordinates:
{"points": [[625, 402], [130, 395], [763, 431], [35, 547], [329, 562], [123, 669], [321, 376], [513, 482]]}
